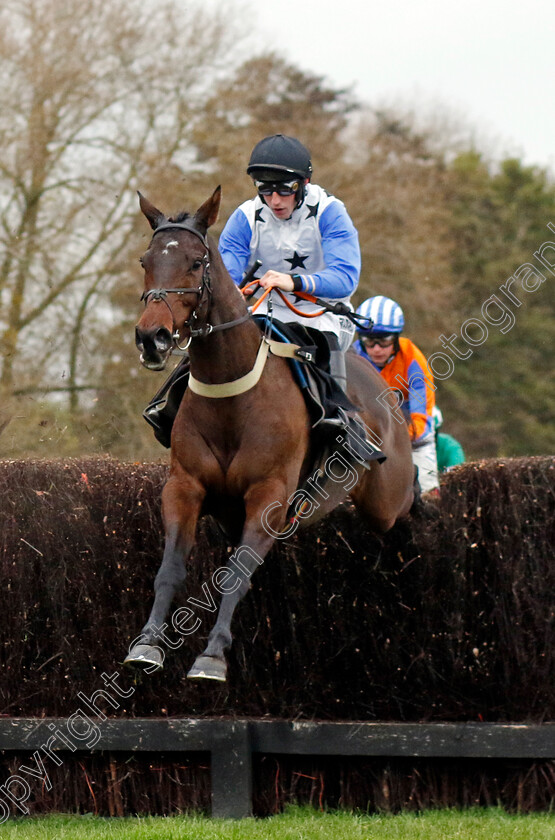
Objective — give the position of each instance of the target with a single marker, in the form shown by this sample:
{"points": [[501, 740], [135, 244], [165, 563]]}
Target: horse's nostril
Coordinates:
{"points": [[138, 339], [163, 339]]}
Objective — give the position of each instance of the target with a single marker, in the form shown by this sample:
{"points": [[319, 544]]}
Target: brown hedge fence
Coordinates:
{"points": [[449, 618]]}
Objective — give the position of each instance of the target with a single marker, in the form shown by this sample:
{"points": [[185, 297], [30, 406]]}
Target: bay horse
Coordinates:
{"points": [[239, 457]]}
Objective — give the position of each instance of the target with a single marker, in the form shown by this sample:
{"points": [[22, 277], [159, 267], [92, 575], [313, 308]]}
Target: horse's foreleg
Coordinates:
{"points": [[181, 503], [255, 543]]}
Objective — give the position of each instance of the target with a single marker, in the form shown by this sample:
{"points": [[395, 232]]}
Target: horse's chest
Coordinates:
{"points": [[222, 465]]}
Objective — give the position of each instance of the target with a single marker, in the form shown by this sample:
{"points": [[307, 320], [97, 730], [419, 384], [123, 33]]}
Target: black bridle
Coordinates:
{"points": [[203, 330]]}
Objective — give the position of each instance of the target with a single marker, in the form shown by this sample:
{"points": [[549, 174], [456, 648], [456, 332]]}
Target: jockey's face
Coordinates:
{"points": [[281, 206], [379, 350]]}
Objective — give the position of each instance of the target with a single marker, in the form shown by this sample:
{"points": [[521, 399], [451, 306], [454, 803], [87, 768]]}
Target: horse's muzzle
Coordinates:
{"points": [[154, 345]]}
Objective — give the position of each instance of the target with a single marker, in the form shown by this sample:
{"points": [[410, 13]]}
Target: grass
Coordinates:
{"points": [[294, 824]]}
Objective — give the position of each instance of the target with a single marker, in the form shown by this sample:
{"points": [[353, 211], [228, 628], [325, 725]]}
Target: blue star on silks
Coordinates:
{"points": [[297, 260], [312, 210], [258, 215]]}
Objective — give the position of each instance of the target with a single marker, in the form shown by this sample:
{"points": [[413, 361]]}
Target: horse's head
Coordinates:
{"points": [[177, 278]]}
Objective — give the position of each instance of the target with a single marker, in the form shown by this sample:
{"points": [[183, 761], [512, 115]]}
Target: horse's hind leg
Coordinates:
{"points": [[255, 543], [181, 503]]}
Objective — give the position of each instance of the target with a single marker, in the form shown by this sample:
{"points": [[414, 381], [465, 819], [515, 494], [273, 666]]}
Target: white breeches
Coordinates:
{"points": [[424, 457]]}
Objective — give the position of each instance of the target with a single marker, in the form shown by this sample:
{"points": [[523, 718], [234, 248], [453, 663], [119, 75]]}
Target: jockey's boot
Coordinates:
{"points": [[348, 425], [425, 505], [161, 410], [338, 368]]}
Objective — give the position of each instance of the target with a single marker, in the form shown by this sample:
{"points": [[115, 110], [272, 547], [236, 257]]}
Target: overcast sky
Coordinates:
{"points": [[490, 63]]}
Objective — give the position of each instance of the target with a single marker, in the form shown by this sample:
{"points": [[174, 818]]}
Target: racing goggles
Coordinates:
{"points": [[279, 187], [382, 341]]}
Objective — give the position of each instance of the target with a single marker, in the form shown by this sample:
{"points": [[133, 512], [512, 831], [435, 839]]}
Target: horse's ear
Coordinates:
{"points": [[207, 214], [155, 217]]}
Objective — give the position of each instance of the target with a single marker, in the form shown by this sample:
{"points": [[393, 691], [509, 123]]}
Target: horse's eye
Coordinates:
{"points": [[141, 261], [196, 265]]}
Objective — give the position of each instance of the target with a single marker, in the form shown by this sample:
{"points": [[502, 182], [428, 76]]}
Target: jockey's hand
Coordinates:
{"points": [[276, 278]]}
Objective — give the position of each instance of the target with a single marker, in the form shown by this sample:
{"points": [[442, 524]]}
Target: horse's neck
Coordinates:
{"points": [[230, 353]]}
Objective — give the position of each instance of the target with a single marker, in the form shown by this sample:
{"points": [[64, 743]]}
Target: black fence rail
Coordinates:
{"points": [[232, 743]]}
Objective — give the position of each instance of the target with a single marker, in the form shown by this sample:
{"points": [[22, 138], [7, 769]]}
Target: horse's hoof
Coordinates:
{"points": [[147, 658], [208, 668]]}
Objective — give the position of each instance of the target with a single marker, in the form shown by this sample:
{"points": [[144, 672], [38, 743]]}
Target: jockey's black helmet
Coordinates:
{"points": [[279, 158]]}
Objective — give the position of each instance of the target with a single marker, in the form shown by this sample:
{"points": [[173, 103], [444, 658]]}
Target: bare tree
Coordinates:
{"points": [[94, 94], [394, 181]]}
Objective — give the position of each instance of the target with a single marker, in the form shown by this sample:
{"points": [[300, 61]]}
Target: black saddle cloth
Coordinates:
{"points": [[322, 393], [162, 409]]}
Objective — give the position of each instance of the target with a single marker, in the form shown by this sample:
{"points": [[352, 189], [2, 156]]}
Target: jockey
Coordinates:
{"points": [[404, 368], [304, 239]]}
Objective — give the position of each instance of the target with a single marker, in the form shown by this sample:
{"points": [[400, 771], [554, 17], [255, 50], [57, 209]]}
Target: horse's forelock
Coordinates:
{"points": [[181, 217], [188, 217], [187, 220]]}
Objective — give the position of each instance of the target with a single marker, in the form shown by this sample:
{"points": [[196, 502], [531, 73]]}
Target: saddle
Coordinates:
{"points": [[322, 394], [330, 410]]}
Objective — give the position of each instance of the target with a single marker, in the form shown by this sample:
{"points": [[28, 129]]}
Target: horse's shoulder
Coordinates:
{"points": [[364, 383]]}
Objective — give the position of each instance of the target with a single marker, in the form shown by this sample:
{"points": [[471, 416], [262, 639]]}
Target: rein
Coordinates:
{"points": [[338, 308]]}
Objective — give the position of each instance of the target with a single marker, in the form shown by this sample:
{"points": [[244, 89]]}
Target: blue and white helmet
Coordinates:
{"points": [[386, 316]]}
